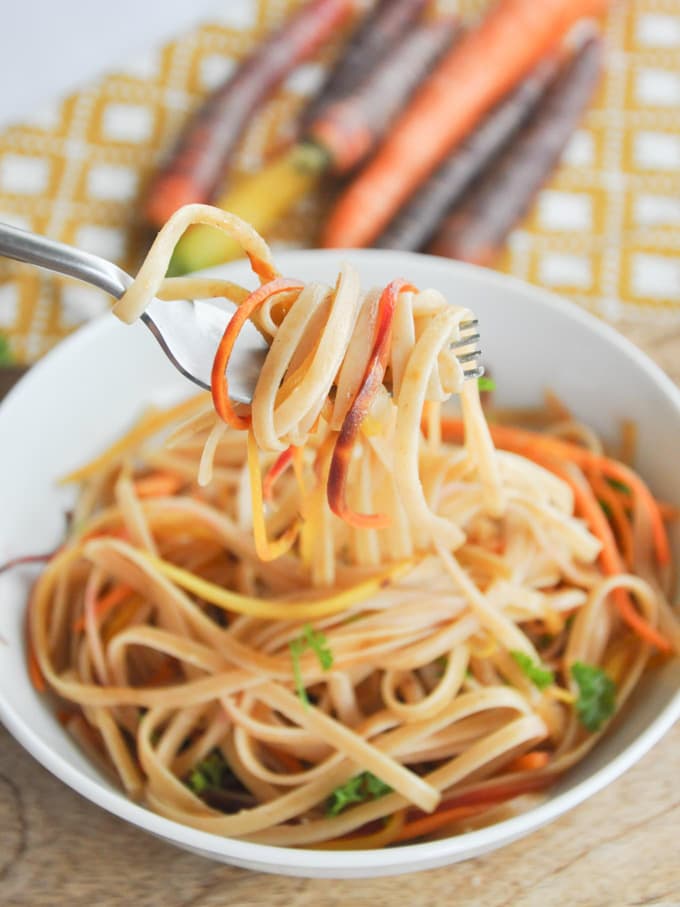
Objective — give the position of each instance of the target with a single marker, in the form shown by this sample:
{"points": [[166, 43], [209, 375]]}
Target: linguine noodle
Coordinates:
{"points": [[341, 616]]}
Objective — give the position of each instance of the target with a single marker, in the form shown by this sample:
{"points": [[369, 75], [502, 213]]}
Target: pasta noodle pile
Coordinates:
{"points": [[341, 616]]}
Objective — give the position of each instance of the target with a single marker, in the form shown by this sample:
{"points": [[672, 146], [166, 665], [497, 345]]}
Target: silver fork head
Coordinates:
{"points": [[468, 351], [189, 334]]}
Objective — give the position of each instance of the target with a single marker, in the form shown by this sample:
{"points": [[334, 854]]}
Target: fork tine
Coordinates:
{"points": [[465, 341], [468, 357]]}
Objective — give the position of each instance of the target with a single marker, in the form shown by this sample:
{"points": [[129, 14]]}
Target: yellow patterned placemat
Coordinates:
{"points": [[605, 232]]}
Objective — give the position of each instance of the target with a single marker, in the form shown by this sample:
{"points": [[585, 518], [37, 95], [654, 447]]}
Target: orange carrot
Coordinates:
{"points": [[617, 513], [349, 129], [195, 166], [471, 78], [610, 559], [282, 462], [418, 220], [158, 485], [529, 762], [499, 791], [377, 32], [375, 369], [477, 228], [103, 605], [476, 801], [288, 761], [418, 828], [526, 442], [218, 380], [548, 452]]}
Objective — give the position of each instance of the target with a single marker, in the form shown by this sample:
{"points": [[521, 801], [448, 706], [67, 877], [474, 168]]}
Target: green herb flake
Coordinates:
{"points": [[619, 486], [375, 786], [606, 508], [297, 647], [486, 383], [359, 789], [597, 695], [208, 774], [6, 355], [537, 673], [317, 643]]}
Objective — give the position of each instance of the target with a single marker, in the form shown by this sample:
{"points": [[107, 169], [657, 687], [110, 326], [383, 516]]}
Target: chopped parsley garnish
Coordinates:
{"points": [[6, 356], [485, 383], [358, 789], [316, 641], [537, 673], [208, 774], [597, 695]]}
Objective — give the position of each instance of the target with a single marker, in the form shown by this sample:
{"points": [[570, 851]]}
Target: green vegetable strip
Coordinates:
{"points": [[316, 642]]}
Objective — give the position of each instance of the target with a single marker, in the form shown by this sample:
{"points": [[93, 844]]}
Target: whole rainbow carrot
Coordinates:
{"points": [[472, 77], [339, 139], [195, 165], [376, 33], [477, 229], [415, 224]]}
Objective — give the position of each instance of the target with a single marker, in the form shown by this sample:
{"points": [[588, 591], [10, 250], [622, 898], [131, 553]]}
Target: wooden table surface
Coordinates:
{"points": [[619, 849]]}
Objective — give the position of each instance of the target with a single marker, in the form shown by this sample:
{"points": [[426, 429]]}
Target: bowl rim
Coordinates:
{"points": [[406, 857]]}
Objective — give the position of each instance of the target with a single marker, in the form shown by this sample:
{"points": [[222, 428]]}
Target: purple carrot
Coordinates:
{"points": [[477, 229], [375, 34], [350, 128], [418, 221], [196, 164]]}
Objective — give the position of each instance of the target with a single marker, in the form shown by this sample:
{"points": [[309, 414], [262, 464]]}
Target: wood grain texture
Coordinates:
{"points": [[619, 849]]}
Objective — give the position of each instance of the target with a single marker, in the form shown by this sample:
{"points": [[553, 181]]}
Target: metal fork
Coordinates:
{"points": [[187, 331]]}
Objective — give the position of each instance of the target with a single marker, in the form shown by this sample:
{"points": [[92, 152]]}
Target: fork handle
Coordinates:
{"points": [[22, 245]]}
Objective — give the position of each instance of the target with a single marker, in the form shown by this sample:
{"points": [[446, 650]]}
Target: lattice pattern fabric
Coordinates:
{"points": [[605, 232]]}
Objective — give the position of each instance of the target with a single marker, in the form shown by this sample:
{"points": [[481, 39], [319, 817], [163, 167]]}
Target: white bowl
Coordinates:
{"points": [[86, 392]]}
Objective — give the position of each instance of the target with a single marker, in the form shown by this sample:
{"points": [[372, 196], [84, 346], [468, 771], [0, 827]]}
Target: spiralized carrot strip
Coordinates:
{"points": [[105, 604], [610, 559], [280, 465], [373, 376], [158, 484], [529, 762], [266, 550], [548, 453], [218, 379], [475, 802], [418, 828], [525, 442], [609, 497]]}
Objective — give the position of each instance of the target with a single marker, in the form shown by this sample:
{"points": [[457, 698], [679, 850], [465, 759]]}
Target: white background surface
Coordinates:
{"points": [[49, 47]]}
